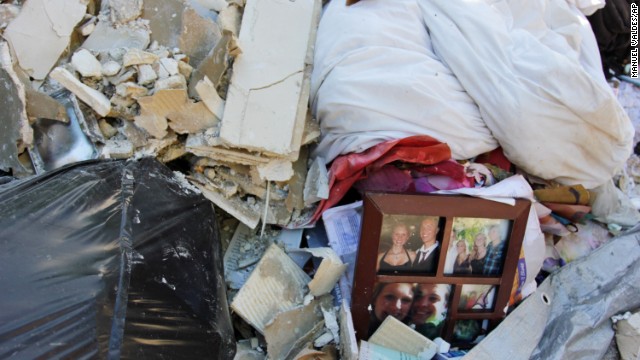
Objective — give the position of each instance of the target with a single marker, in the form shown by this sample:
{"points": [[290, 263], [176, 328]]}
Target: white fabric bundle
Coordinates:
{"points": [[524, 74]]}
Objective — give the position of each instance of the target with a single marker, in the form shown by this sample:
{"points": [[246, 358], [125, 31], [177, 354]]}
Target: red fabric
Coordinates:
{"points": [[495, 157], [347, 169]]}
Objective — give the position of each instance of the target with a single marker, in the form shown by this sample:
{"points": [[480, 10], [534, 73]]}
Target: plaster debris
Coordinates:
{"points": [[348, 342], [276, 285], [106, 36], [95, 99], [138, 57], [276, 170], [131, 90], [316, 187], [328, 273], [86, 64], [270, 81], [207, 92], [146, 74], [41, 105], [117, 149], [48, 24], [172, 82], [229, 19], [628, 337]]}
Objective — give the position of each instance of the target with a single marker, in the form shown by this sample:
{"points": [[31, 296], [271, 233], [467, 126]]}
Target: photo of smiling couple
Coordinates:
{"points": [[401, 252]]}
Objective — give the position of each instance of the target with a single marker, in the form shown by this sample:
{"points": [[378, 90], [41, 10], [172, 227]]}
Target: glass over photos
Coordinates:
{"points": [[477, 246], [421, 306], [470, 331], [409, 243], [475, 297]]}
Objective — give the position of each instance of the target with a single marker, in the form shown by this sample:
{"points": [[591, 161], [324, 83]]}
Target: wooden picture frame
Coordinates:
{"points": [[461, 301]]}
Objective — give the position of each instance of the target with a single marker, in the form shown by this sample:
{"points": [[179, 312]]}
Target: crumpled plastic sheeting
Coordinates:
{"points": [[582, 296], [525, 73]]}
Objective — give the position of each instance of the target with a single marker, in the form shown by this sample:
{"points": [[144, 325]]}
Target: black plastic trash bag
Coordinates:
{"points": [[111, 260]]}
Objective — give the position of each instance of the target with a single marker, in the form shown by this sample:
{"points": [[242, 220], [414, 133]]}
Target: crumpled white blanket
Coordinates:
{"points": [[522, 74]]}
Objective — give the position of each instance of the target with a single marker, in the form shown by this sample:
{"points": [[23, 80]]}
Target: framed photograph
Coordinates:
{"points": [[442, 264]]}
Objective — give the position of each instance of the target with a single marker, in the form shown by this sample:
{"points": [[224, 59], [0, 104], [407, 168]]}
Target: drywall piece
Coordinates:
{"points": [[295, 198], [106, 37], [237, 208], [199, 145], [277, 284], [207, 92], [117, 149], [395, 335], [135, 135], [229, 19], [86, 64], [243, 181], [174, 23], [15, 131], [138, 57], [348, 342], [275, 170], [311, 130], [146, 74], [95, 99], [172, 82], [168, 67], [41, 105], [213, 66], [628, 337], [47, 23], [328, 273], [289, 331], [184, 115], [8, 12], [126, 76], [131, 90], [123, 11], [269, 91], [316, 187], [111, 68]]}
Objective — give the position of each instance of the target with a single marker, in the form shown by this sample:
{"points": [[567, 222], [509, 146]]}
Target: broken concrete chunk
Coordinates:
{"points": [[174, 105], [316, 187], [123, 11], [110, 68], [87, 28], [106, 37], [628, 337], [95, 99], [117, 149], [15, 131], [210, 97], [185, 69], [126, 76], [41, 105], [135, 135], [237, 208], [276, 285], [395, 335], [48, 24], [86, 64], [131, 90], [138, 57], [267, 100], [275, 170], [146, 75], [172, 82]]}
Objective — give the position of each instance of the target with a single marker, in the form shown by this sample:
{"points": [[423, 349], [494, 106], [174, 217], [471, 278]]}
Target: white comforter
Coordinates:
{"points": [[522, 74]]}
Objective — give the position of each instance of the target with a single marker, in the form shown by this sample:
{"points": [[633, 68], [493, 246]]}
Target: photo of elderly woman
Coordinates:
{"points": [[477, 246], [421, 306]]}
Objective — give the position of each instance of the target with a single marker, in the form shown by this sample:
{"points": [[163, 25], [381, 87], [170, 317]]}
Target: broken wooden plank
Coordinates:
{"points": [[277, 284], [48, 24], [267, 99]]}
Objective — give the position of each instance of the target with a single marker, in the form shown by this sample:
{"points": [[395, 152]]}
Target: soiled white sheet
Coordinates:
{"points": [[524, 74]]}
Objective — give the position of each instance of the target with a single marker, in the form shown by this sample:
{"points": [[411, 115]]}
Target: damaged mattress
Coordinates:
{"points": [[523, 75]]}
